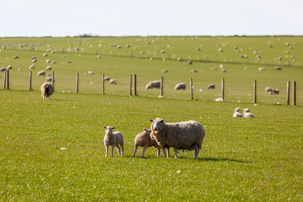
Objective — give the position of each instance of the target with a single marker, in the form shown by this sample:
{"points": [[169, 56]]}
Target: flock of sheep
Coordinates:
{"points": [[187, 135]]}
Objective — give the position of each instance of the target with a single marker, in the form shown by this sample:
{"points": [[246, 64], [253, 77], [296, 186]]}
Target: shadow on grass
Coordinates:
{"points": [[222, 159]]}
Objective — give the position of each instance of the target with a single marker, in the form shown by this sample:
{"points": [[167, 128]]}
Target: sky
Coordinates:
{"points": [[150, 17]]}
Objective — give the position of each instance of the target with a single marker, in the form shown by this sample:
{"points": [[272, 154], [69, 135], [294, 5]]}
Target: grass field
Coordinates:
{"points": [[52, 150]]}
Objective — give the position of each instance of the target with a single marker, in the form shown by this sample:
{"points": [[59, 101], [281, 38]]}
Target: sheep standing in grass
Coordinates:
{"points": [[247, 113], [237, 112], [186, 135], [152, 85], [180, 86], [144, 140], [115, 139], [47, 90]]}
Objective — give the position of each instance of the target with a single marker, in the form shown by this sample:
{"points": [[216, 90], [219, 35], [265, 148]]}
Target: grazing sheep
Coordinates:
{"points": [[90, 73], [45, 55], [9, 67], [198, 49], [186, 135], [107, 78], [113, 81], [261, 69], [164, 71], [268, 89], [98, 56], [237, 112], [16, 57], [279, 58], [221, 66], [144, 140], [2, 69], [48, 61], [245, 68], [19, 69], [220, 50], [41, 73], [48, 68], [114, 139], [275, 91], [211, 86], [152, 85], [189, 62], [223, 70], [179, 59], [54, 62], [180, 86], [31, 66], [213, 68], [47, 90], [277, 68], [34, 60], [194, 71], [247, 113], [162, 51]]}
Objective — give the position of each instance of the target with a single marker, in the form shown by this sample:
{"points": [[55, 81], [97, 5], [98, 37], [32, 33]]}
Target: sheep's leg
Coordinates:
{"points": [[196, 152], [176, 153], [164, 152], [122, 149], [136, 147], [118, 150], [113, 146], [158, 152], [143, 151], [106, 153]]}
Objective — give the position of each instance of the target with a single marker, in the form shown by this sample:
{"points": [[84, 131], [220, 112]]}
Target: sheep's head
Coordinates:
{"points": [[156, 124], [238, 109], [246, 110], [109, 129]]}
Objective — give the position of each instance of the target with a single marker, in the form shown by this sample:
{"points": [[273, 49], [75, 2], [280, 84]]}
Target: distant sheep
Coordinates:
{"points": [[34, 60], [194, 71], [211, 86], [180, 86], [179, 59], [47, 90], [164, 71], [277, 68], [144, 140], [237, 112], [90, 73], [107, 78], [113, 81], [114, 139], [45, 55], [48, 61], [189, 62], [48, 68], [261, 69], [16, 57], [152, 85], [31, 66], [213, 68], [268, 89], [186, 135], [9, 67], [2, 69], [41, 73], [247, 113]]}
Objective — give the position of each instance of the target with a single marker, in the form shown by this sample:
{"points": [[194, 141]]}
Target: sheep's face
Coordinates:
{"points": [[109, 130], [238, 109], [156, 124]]}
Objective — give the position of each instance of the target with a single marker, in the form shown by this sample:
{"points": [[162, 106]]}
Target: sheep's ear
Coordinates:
{"points": [[151, 120], [104, 127], [113, 127]]}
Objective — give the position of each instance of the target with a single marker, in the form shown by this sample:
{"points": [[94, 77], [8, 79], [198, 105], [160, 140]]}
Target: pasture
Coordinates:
{"points": [[53, 149]]}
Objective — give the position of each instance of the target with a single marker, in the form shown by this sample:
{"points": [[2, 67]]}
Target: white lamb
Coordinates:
{"points": [[237, 112], [247, 113], [115, 139]]}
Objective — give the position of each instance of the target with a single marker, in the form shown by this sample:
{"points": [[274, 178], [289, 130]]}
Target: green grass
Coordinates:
{"points": [[242, 159]]}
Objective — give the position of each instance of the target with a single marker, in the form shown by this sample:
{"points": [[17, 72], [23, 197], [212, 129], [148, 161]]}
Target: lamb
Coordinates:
{"points": [[247, 113], [152, 84], [115, 139], [143, 139], [180, 86], [47, 90], [237, 112], [186, 135]]}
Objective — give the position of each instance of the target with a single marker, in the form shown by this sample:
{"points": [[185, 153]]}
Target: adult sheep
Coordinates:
{"points": [[186, 135], [180, 86], [152, 85], [144, 140], [47, 90]]}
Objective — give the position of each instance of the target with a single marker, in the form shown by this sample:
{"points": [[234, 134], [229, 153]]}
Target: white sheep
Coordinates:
{"points": [[152, 85], [113, 81], [211, 86], [144, 140], [247, 113], [237, 112], [114, 139], [186, 135], [47, 90], [41, 73], [180, 86]]}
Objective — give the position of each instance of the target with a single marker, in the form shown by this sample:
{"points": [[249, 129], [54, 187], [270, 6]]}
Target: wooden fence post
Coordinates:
{"points": [[7, 79], [30, 80], [287, 92], [135, 85], [191, 89], [130, 84], [4, 80], [77, 82], [222, 89], [255, 91], [161, 87], [53, 79], [294, 95], [103, 89]]}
